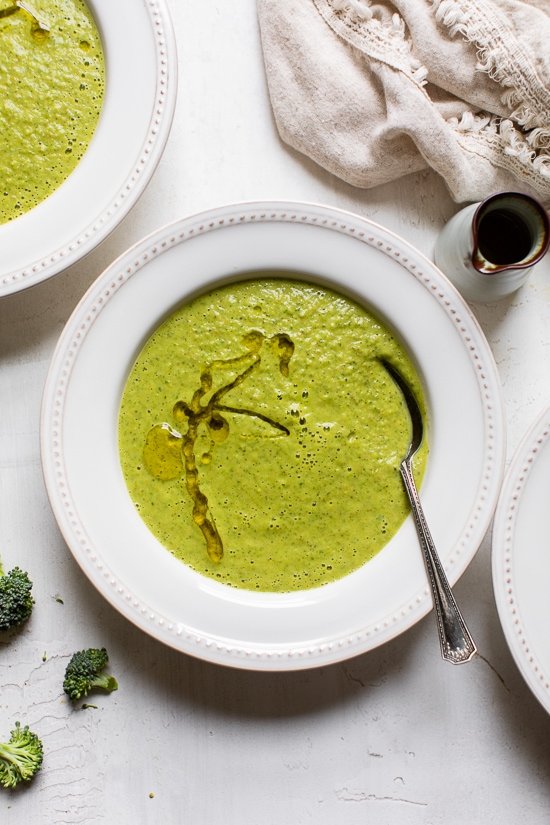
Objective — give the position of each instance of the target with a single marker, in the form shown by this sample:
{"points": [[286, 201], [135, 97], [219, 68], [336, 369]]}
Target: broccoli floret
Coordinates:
{"points": [[16, 602], [84, 673], [20, 758]]}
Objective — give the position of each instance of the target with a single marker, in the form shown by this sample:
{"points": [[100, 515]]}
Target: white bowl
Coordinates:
{"points": [[140, 94], [271, 631]]}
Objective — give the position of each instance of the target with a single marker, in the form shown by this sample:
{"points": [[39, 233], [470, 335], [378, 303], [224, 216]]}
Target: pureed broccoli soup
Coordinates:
{"points": [[52, 82], [260, 436]]}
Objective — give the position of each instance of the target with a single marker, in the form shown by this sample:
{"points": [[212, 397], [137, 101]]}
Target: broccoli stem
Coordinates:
{"points": [[104, 682]]}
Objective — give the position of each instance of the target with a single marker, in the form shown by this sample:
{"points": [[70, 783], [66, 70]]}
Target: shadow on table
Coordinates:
{"points": [[519, 719], [177, 678], [267, 695]]}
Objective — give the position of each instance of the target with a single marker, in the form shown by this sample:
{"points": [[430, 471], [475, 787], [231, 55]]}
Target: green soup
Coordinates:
{"points": [[260, 436], [52, 81]]}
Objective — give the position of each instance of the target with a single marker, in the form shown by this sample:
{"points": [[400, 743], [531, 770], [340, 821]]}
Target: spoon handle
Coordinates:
{"points": [[457, 645]]}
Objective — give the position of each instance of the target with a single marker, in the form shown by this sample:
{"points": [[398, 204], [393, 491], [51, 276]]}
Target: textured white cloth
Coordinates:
{"points": [[374, 91]]}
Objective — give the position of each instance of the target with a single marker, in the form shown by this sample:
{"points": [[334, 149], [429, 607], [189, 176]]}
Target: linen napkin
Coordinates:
{"points": [[374, 91]]}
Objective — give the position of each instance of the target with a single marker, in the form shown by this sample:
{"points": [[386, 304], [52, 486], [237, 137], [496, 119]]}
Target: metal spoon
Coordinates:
{"points": [[457, 645]]}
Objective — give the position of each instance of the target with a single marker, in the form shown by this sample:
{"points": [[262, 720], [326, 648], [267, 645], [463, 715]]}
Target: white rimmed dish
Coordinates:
{"points": [[521, 557], [140, 94], [79, 434]]}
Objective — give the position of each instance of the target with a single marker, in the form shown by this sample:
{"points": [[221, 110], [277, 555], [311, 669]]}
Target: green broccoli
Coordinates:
{"points": [[16, 602], [20, 758], [84, 673]]}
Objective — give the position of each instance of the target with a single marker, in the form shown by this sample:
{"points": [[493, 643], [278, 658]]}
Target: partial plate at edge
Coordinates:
{"points": [[140, 95], [521, 557]]}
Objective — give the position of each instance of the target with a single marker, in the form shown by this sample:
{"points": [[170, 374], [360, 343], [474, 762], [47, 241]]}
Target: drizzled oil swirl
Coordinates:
{"points": [[170, 453]]}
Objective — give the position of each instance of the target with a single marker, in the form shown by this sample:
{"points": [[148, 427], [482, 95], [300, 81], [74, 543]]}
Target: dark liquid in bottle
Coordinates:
{"points": [[503, 237]]}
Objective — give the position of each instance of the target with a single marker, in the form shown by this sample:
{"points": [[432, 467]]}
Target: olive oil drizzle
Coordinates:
{"points": [[196, 413], [9, 11]]}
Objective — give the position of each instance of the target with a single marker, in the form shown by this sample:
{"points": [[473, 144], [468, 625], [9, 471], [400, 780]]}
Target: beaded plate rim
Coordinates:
{"points": [[504, 565]]}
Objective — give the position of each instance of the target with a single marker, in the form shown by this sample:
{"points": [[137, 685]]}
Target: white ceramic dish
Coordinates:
{"points": [[79, 434], [140, 94], [521, 558]]}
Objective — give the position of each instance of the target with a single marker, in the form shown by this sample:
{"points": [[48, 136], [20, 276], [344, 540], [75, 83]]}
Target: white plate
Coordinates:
{"points": [[141, 81], [79, 434], [521, 558]]}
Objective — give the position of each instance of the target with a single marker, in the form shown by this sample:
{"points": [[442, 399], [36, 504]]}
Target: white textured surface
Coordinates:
{"points": [[393, 736]]}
